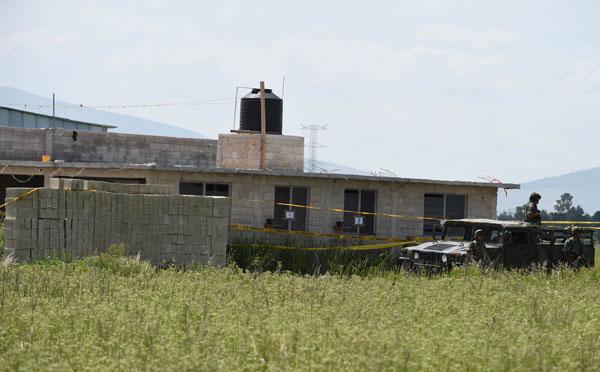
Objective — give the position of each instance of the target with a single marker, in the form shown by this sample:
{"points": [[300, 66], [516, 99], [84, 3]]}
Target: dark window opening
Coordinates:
{"points": [[189, 188], [203, 189], [438, 207], [217, 189], [140, 181], [359, 201], [288, 213]]}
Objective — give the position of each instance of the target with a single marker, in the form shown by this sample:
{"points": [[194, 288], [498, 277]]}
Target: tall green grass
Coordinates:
{"points": [[113, 313], [1, 240], [264, 257]]}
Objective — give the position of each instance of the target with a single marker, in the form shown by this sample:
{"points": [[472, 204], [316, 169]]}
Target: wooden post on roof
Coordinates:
{"points": [[263, 126]]}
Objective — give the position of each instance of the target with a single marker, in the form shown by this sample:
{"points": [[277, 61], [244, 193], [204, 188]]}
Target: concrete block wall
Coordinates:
{"points": [[22, 144], [79, 218], [242, 151], [31, 144], [253, 199]]}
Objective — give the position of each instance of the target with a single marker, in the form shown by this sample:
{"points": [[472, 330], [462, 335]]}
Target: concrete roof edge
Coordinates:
{"points": [[257, 172]]}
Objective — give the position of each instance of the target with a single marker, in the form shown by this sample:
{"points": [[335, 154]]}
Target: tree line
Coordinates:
{"points": [[564, 210]]}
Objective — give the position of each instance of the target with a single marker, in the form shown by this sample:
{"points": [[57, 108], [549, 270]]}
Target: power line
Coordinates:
{"points": [[384, 156], [122, 106]]}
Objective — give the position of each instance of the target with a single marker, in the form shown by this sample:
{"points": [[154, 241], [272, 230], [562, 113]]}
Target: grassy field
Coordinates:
{"points": [[1, 240], [119, 314]]}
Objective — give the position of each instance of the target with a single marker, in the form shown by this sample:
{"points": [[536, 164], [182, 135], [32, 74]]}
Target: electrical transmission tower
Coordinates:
{"points": [[313, 144]]}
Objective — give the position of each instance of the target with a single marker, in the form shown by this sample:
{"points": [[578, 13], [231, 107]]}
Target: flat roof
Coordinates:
{"points": [[59, 117], [257, 172]]}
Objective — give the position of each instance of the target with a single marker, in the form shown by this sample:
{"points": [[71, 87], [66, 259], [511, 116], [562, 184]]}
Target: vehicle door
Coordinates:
{"points": [[493, 241], [587, 237], [517, 249]]}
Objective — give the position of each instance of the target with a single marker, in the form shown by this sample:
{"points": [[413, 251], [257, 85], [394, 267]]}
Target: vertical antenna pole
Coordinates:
{"points": [[263, 125], [235, 106], [283, 87]]}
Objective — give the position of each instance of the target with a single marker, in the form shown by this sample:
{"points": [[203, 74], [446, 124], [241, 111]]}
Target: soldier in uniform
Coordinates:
{"points": [[573, 249], [477, 250], [532, 214]]}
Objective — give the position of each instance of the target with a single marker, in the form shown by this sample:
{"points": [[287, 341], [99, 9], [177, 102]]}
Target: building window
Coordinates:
{"points": [[359, 201], [216, 189], [204, 188], [288, 213], [442, 206]]}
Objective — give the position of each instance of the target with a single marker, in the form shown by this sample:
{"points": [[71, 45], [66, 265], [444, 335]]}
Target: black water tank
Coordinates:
{"points": [[250, 111]]}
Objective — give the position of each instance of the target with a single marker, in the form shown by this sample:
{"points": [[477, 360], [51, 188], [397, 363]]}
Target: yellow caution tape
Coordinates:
{"points": [[322, 235], [366, 247], [20, 197], [339, 210]]}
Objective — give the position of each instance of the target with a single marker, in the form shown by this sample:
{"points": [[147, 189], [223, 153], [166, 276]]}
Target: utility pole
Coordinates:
{"points": [[53, 105], [313, 144]]}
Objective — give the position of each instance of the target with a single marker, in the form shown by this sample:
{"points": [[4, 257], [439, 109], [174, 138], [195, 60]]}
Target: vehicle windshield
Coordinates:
{"points": [[457, 232], [492, 233]]}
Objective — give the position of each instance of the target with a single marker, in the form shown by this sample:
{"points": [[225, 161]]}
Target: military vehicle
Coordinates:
{"points": [[509, 244]]}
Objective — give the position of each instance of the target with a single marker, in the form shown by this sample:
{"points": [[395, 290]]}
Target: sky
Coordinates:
{"points": [[459, 90]]}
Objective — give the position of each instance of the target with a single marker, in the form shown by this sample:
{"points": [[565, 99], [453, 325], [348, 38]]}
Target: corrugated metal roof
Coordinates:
{"points": [[5, 120]]}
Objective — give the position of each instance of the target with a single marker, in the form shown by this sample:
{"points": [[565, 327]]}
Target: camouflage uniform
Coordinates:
{"points": [[573, 249], [532, 208], [478, 251]]}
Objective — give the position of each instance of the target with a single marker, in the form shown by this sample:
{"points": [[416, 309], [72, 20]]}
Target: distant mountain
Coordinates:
{"points": [[16, 98], [583, 185]]}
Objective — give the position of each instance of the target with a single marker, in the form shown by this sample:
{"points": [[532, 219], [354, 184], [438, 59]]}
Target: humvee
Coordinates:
{"points": [[509, 244]]}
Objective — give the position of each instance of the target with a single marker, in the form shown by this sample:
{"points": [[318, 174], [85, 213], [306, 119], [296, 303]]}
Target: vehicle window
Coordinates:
{"points": [[454, 232], [493, 234], [495, 237]]}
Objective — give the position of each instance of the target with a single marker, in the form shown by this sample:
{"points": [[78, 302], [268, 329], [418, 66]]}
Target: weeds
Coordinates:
{"points": [[263, 257], [114, 312], [1, 240], [119, 313]]}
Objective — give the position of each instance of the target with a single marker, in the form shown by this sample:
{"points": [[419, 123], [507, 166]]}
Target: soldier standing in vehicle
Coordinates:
{"points": [[477, 249], [532, 214], [573, 249]]}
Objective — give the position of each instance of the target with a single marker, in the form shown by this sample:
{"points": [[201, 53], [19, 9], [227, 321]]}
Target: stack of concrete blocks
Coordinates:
{"points": [[76, 218], [242, 151]]}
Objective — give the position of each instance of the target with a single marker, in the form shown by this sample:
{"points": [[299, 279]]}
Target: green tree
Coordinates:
{"points": [[564, 204], [520, 212]]}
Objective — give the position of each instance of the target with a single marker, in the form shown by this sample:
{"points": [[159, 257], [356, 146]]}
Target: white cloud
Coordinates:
{"points": [[480, 39]]}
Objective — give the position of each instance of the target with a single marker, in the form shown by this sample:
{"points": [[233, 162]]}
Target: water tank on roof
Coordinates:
{"points": [[250, 112]]}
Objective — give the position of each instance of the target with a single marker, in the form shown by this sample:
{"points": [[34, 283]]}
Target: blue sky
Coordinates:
{"points": [[432, 89]]}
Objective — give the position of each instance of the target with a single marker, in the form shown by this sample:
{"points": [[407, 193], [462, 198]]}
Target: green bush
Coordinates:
{"points": [[115, 262], [263, 257]]}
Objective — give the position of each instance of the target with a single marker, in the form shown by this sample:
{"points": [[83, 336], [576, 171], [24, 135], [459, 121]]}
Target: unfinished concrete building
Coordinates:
{"points": [[263, 174]]}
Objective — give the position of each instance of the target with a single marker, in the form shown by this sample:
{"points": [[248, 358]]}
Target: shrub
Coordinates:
{"points": [[115, 262], [264, 257]]}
